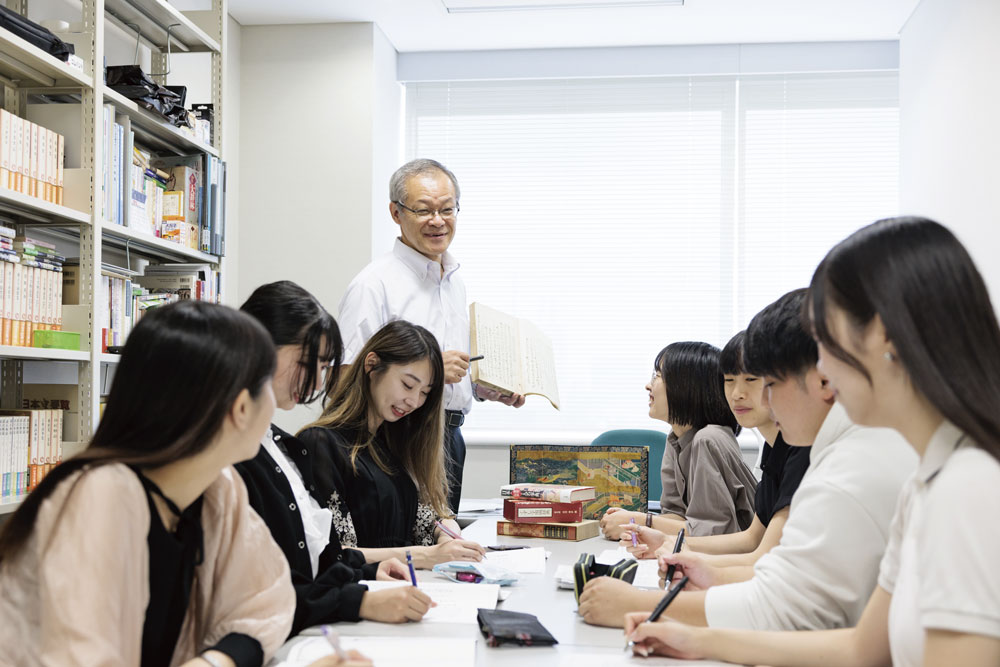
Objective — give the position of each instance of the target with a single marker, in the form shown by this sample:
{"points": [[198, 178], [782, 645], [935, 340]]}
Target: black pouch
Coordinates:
{"points": [[35, 34], [586, 568], [513, 627]]}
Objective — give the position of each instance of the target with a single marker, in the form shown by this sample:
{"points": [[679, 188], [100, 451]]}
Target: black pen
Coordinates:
{"points": [[664, 603], [677, 547], [476, 358]]}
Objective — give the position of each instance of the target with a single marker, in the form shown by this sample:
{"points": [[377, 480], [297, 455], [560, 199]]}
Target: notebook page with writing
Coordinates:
{"points": [[538, 364], [410, 651], [494, 335], [456, 603]]}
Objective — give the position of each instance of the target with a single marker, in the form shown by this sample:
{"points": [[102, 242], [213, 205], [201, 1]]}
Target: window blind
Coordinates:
{"points": [[623, 214]]}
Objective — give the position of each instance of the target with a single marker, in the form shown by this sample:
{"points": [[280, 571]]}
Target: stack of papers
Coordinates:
{"points": [[456, 603], [647, 576], [522, 561], [410, 651]]}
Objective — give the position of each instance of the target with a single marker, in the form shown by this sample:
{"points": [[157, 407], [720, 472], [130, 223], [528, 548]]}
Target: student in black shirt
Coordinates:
{"points": [[382, 427], [782, 468], [281, 479]]}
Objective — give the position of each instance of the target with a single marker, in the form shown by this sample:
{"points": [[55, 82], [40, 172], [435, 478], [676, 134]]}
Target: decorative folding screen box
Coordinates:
{"points": [[618, 473]]}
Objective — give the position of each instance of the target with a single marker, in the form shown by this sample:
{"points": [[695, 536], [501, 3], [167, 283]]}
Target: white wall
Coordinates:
{"points": [[315, 104], [950, 134]]}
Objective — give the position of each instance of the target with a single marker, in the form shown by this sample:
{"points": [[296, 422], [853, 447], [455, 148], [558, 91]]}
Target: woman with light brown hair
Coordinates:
{"points": [[382, 430]]}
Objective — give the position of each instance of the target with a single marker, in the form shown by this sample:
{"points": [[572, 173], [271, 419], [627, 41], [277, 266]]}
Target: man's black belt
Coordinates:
{"points": [[453, 418]]}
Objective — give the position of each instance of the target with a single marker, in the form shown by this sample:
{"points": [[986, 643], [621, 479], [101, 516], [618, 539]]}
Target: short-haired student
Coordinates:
{"points": [[143, 549], [783, 466], [909, 339], [281, 479], [383, 428], [707, 488]]}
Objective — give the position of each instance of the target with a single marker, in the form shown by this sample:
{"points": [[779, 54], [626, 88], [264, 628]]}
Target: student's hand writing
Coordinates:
{"points": [[456, 365], [669, 638], [605, 601], [354, 659], [615, 519], [455, 550], [700, 574], [392, 569], [650, 539], [398, 604]]}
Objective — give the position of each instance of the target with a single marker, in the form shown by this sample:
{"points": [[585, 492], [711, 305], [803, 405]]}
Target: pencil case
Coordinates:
{"points": [[513, 627], [476, 573], [587, 568]]}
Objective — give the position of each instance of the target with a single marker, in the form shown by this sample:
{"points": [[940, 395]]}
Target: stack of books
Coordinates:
{"points": [[547, 510], [30, 447], [31, 158], [30, 288]]}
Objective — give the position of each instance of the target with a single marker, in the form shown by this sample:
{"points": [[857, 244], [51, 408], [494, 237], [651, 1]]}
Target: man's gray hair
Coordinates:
{"points": [[397, 184]]}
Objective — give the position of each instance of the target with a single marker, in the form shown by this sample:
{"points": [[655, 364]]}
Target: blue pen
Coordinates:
{"points": [[409, 564], [635, 540]]}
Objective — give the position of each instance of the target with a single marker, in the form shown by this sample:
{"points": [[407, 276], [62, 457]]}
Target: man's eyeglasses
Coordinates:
{"points": [[448, 213]]}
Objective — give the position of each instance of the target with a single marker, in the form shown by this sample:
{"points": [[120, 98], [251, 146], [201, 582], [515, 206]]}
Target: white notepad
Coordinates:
{"points": [[410, 651], [522, 561], [648, 574], [456, 603]]}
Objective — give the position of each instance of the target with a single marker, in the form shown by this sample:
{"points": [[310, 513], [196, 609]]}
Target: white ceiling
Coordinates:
{"points": [[425, 25]]}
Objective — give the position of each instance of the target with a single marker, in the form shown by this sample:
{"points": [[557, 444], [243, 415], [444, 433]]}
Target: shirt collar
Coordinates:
{"points": [[422, 266], [942, 444], [683, 441], [836, 425]]}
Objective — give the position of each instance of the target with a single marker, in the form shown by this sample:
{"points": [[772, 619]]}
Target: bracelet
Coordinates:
{"points": [[649, 519], [210, 659]]}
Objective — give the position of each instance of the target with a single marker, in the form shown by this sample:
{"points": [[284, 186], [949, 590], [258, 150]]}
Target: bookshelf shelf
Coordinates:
{"points": [[39, 210], [154, 129], [153, 17], [42, 353], [10, 508], [148, 244], [24, 65], [110, 358]]}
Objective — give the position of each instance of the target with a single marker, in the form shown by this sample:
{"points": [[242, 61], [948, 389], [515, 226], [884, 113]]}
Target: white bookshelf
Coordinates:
{"points": [[10, 508], [26, 69]]}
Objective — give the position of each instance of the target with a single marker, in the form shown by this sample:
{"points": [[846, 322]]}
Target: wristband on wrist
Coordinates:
{"points": [[649, 519]]}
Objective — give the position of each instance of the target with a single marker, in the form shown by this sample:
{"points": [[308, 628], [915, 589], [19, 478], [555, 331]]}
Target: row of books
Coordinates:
{"points": [[30, 288], [177, 198], [123, 298], [31, 158], [553, 511], [30, 446]]}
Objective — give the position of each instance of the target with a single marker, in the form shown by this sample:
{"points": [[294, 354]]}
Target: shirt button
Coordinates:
{"points": [[302, 545], [312, 487], [304, 453], [277, 469], [291, 506], [277, 437]]}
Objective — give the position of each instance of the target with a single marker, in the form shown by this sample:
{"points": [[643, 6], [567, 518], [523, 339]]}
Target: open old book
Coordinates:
{"points": [[517, 356]]}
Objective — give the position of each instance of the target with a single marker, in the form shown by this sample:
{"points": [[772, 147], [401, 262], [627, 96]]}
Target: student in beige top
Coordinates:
{"points": [[143, 549], [707, 488], [909, 340]]}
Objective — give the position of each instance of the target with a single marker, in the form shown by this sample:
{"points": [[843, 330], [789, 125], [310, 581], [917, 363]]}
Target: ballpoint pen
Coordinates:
{"points": [[334, 639], [409, 564], [677, 547], [662, 607]]}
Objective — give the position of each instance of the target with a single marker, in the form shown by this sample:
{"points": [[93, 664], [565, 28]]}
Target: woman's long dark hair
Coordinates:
{"points": [[416, 440], [696, 394], [183, 366], [919, 279], [293, 316]]}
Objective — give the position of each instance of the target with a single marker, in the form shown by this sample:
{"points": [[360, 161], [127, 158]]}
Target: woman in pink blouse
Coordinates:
{"points": [[143, 549]]}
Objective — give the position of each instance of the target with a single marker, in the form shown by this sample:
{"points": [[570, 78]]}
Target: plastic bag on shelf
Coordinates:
{"points": [[133, 83]]}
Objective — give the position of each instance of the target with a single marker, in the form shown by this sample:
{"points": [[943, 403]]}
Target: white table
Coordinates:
{"points": [[580, 645]]}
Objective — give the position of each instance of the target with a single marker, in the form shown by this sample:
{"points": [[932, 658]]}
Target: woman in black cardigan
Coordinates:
{"points": [[282, 479]]}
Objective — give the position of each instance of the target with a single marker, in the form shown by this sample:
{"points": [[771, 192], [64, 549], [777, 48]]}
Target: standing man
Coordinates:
{"points": [[418, 282]]}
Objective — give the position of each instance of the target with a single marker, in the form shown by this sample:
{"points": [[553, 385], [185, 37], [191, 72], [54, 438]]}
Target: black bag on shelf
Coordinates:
{"points": [[133, 83], [34, 34]]}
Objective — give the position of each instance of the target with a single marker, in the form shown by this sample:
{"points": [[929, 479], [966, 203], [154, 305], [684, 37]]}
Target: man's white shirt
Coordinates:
{"points": [[405, 285]]}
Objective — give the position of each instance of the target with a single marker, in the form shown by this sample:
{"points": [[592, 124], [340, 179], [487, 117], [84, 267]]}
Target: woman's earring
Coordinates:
{"points": [[889, 356]]}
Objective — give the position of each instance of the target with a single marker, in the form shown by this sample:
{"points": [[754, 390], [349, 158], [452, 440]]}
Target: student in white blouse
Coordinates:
{"points": [[418, 282], [909, 339]]}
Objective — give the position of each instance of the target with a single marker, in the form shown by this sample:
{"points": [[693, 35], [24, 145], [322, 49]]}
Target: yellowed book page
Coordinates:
{"points": [[494, 335], [538, 364]]}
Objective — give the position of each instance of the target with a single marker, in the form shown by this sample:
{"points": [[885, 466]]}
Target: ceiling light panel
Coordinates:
{"points": [[475, 6]]}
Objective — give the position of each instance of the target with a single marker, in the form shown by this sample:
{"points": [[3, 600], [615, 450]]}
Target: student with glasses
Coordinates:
{"points": [[418, 282]]}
